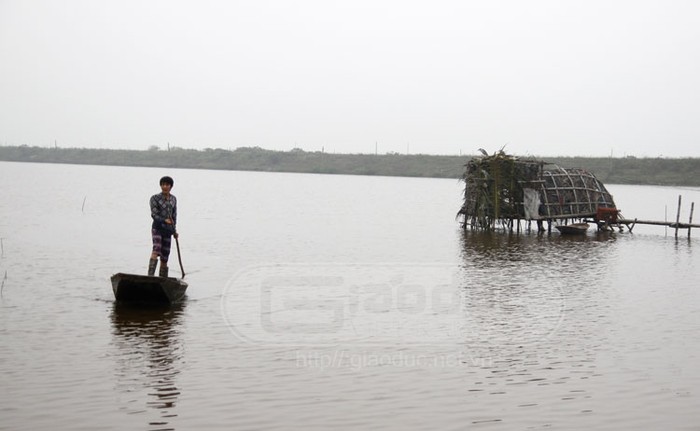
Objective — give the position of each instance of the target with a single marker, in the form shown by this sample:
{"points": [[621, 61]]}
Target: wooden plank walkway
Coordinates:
{"points": [[675, 225], [672, 224]]}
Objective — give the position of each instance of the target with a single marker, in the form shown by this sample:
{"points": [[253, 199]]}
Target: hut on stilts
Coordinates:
{"points": [[501, 191]]}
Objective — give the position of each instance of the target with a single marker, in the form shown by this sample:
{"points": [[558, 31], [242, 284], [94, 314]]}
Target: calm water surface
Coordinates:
{"points": [[320, 302]]}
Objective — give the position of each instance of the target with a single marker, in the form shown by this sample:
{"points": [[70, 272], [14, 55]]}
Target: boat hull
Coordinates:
{"points": [[147, 288], [573, 229]]}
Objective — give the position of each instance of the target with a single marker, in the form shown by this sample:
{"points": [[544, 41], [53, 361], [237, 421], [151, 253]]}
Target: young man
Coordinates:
{"points": [[164, 215]]}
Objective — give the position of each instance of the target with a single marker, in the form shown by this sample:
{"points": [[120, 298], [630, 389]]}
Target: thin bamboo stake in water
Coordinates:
{"points": [[690, 220], [2, 286], [678, 214]]}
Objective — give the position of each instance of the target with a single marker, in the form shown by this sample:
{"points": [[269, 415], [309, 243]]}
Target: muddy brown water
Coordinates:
{"points": [[343, 302]]}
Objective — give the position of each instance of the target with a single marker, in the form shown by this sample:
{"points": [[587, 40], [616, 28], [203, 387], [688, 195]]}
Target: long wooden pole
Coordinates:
{"points": [[179, 258]]}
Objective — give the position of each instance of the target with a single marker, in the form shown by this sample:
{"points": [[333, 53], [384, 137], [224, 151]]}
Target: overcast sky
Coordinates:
{"points": [[546, 78]]}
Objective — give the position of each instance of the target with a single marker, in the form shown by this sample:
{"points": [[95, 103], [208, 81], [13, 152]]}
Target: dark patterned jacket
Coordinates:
{"points": [[162, 209]]}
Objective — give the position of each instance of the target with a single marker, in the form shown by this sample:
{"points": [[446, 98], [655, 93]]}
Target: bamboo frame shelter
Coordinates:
{"points": [[501, 189]]}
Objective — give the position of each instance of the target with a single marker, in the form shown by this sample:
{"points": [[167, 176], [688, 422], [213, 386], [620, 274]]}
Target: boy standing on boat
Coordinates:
{"points": [[164, 215]]}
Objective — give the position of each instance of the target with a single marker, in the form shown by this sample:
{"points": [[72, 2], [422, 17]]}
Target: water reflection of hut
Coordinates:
{"points": [[503, 190]]}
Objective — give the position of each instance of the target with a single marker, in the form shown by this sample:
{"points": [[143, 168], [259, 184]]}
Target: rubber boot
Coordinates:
{"points": [[152, 266], [163, 269]]}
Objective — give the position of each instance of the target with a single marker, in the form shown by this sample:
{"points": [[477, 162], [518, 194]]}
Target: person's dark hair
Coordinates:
{"points": [[167, 180]]}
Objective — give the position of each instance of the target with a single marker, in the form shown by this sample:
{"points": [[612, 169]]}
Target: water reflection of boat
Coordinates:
{"points": [[149, 351], [146, 288], [573, 229]]}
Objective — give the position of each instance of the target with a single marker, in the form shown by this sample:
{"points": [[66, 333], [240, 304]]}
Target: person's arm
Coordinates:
{"points": [[173, 216], [155, 214]]}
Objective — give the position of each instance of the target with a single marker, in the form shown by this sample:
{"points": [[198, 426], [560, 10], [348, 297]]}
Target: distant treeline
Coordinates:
{"points": [[628, 170]]}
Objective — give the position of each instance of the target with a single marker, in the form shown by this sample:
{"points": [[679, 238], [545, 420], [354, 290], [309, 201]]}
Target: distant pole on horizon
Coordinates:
{"points": [[375, 148]]}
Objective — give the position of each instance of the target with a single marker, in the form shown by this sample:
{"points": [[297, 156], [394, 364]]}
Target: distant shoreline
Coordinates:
{"points": [[628, 170]]}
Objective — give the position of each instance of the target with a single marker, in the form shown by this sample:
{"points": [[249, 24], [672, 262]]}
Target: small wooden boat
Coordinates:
{"points": [[147, 288], [573, 229]]}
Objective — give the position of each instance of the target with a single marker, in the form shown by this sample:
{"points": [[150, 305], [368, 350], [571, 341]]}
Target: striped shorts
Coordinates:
{"points": [[161, 244]]}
